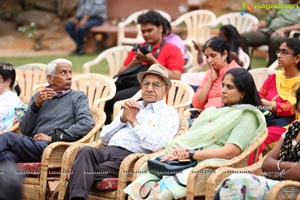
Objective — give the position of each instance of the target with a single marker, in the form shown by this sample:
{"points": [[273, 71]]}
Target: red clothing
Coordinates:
{"points": [[214, 95], [283, 108], [169, 56]]}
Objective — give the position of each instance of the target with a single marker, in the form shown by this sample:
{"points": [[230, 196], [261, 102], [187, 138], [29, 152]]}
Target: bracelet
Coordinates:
{"points": [[273, 104], [278, 165]]}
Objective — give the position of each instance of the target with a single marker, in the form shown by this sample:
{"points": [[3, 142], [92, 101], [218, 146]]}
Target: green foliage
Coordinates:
{"points": [[31, 32]]}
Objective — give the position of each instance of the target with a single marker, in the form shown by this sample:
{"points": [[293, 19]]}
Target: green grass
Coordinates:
{"points": [[76, 60], [79, 60]]}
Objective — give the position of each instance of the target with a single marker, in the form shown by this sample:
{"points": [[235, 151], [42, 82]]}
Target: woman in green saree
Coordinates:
{"points": [[218, 132]]}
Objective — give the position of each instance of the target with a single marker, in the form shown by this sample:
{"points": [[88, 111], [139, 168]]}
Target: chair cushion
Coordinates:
{"points": [[107, 184], [34, 169]]}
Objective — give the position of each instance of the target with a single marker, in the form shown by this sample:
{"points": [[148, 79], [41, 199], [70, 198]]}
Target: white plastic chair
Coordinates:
{"points": [[132, 19], [260, 75], [114, 57], [180, 96], [189, 61], [197, 24], [241, 23], [246, 59]]}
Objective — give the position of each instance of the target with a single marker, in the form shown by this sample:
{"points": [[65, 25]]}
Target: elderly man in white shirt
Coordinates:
{"points": [[141, 127]]}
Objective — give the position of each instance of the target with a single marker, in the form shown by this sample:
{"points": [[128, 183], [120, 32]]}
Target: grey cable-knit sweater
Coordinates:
{"points": [[70, 112]]}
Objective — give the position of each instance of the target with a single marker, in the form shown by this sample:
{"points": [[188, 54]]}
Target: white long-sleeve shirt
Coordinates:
{"points": [[157, 123]]}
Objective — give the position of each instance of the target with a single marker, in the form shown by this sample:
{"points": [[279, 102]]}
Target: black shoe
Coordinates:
{"points": [[78, 51]]}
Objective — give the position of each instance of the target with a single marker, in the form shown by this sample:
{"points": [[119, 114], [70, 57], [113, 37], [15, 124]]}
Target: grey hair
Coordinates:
{"points": [[50, 69]]}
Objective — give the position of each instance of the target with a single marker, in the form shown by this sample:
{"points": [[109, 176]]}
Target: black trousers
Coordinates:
{"points": [[93, 165]]}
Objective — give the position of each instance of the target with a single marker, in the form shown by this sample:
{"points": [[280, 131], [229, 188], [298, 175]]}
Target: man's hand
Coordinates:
{"points": [[46, 93], [42, 136], [149, 58], [83, 21], [279, 32], [131, 109]]}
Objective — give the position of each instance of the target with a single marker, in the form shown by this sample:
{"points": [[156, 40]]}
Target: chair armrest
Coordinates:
{"points": [[67, 161], [284, 190], [221, 173]]}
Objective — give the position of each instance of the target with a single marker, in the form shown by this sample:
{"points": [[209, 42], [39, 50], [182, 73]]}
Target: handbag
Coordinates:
{"points": [[59, 134], [273, 120], [170, 167]]}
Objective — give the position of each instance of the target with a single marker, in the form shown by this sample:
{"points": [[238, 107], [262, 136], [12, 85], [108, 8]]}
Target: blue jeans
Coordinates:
{"points": [[79, 34], [19, 148]]}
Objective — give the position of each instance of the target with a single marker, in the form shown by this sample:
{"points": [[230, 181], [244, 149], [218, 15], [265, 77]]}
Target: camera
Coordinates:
{"points": [[147, 48]]}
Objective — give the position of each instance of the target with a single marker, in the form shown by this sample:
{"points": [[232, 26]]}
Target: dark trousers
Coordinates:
{"points": [[79, 34], [20, 148], [92, 165], [120, 95], [258, 38]]}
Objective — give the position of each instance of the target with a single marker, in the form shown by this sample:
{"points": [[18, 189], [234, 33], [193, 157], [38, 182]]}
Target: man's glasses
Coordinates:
{"points": [[155, 85], [283, 52]]}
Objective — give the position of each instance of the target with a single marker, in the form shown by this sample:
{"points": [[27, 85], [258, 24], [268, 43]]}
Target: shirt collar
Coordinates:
{"points": [[156, 106]]}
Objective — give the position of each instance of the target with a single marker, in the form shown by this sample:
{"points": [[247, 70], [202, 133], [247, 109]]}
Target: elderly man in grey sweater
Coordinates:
{"points": [[56, 113]]}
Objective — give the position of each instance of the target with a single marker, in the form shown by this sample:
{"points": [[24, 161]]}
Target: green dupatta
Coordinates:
{"points": [[212, 124]]}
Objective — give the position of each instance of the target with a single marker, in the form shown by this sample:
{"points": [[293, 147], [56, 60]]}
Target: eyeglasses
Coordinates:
{"points": [[283, 52], [155, 85]]}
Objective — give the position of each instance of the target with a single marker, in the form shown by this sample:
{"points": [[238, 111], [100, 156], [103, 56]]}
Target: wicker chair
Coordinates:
{"points": [[283, 190], [180, 96], [197, 178], [223, 172], [35, 185], [126, 167]]}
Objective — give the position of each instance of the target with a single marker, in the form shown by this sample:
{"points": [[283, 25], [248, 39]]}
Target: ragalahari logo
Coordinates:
{"points": [[246, 8]]}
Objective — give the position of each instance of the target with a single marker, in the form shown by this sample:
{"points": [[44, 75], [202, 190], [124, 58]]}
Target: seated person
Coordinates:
{"points": [[277, 91], [141, 127], [272, 30], [175, 39], [219, 141], [164, 53], [89, 13], [236, 54], [9, 98], [54, 107], [282, 163], [208, 94]]}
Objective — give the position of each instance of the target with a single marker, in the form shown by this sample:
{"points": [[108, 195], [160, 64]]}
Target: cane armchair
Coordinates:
{"points": [[198, 176], [49, 169], [126, 173], [180, 96], [29, 75], [282, 190], [223, 172], [97, 87], [114, 57]]}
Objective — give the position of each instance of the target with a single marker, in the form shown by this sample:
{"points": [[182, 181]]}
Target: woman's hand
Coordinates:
{"points": [[214, 74], [178, 154]]}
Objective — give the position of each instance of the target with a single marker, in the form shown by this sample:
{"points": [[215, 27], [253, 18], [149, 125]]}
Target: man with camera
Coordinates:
{"points": [[155, 50]]}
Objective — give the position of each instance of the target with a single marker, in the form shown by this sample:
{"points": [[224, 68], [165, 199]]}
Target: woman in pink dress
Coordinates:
{"points": [[208, 94]]}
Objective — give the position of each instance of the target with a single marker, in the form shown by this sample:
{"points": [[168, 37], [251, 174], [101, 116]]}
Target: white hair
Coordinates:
{"points": [[50, 69]]}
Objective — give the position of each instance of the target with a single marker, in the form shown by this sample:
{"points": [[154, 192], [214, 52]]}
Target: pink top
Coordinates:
{"points": [[214, 95]]}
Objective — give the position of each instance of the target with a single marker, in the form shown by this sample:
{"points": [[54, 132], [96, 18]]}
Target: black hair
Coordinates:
{"points": [[152, 17], [294, 45], [244, 82], [218, 44], [167, 27], [297, 100], [8, 72], [232, 37]]}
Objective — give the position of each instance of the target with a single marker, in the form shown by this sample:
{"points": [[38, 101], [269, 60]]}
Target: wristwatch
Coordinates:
{"points": [[191, 153]]}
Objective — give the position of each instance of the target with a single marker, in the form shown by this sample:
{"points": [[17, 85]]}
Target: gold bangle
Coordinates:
{"points": [[278, 165], [273, 104]]}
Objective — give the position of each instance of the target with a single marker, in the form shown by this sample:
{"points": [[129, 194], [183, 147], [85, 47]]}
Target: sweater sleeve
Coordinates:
{"points": [[28, 121], [84, 119]]}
